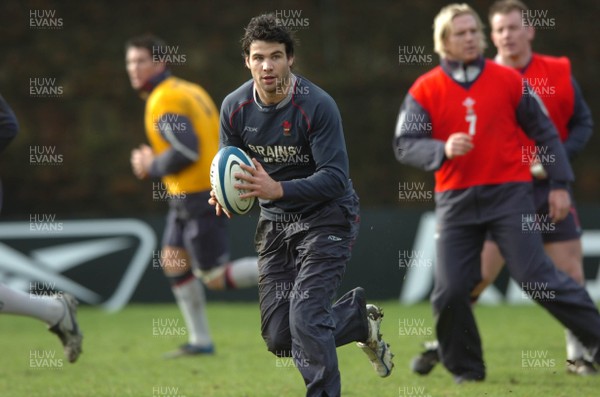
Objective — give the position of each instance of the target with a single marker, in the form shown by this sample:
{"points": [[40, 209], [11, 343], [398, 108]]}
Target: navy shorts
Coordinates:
{"points": [[193, 225], [565, 230]]}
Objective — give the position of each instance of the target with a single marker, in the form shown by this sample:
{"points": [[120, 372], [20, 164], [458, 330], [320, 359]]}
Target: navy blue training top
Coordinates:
{"points": [[299, 142]]}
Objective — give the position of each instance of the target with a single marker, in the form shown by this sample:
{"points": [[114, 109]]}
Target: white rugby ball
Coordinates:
{"points": [[222, 170]]}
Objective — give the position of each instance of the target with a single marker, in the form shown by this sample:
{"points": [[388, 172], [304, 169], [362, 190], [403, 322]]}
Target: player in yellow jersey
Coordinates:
{"points": [[182, 126]]}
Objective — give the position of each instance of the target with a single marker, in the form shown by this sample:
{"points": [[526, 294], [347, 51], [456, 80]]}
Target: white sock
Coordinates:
{"points": [[192, 304], [243, 272], [575, 349], [47, 309]]}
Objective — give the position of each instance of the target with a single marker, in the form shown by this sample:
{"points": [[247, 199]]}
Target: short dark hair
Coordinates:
{"points": [[267, 27], [504, 7], [147, 41]]}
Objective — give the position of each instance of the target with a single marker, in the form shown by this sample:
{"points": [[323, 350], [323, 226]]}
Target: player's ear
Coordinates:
{"points": [[247, 61], [290, 61]]}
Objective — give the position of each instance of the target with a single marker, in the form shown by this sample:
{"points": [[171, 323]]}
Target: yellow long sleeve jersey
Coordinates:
{"points": [[182, 126]]}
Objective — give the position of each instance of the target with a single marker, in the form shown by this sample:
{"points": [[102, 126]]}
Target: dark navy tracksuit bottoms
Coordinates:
{"points": [[301, 262], [507, 212]]}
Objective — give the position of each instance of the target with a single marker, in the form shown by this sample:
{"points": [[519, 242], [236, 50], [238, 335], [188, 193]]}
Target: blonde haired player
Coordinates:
{"points": [[512, 35], [479, 191]]}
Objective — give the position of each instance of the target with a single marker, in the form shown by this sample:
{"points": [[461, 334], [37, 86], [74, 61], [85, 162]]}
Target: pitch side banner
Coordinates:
{"points": [[110, 262], [420, 262], [43, 257]]}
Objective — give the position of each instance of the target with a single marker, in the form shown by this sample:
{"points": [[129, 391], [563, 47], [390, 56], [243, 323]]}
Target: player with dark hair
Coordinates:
{"points": [[473, 143], [60, 311], [182, 125], [309, 217], [551, 79]]}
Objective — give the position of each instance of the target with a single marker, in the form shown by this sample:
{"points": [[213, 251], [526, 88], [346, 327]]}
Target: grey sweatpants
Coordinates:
{"points": [[505, 211], [301, 263]]}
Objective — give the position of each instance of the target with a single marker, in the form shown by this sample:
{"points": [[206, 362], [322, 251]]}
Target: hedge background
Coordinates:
{"points": [[350, 48]]}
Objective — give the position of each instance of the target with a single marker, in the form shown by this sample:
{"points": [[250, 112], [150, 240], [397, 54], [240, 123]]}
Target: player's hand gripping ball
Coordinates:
{"points": [[222, 170]]}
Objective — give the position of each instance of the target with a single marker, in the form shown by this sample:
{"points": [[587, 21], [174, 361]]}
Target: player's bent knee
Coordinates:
{"points": [[278, 345], [214, 279], [174, 261], [170, 269]]}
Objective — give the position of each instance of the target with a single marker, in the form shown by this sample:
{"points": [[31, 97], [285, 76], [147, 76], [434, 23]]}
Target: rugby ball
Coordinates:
{"points": [[222, 170]]}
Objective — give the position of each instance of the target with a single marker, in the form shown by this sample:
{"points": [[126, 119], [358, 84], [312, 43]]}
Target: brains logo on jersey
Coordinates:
{"points": [[287, 127]]}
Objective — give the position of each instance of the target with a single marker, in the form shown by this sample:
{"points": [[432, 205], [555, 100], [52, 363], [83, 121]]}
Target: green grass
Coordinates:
{"points": [[122, 357]]}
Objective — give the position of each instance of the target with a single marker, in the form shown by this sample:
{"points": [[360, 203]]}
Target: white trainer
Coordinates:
{"points": [[375, 347], [67, 328]]}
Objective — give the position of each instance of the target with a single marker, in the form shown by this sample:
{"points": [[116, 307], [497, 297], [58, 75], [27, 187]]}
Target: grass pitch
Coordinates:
{"points": [[524, 351]]}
